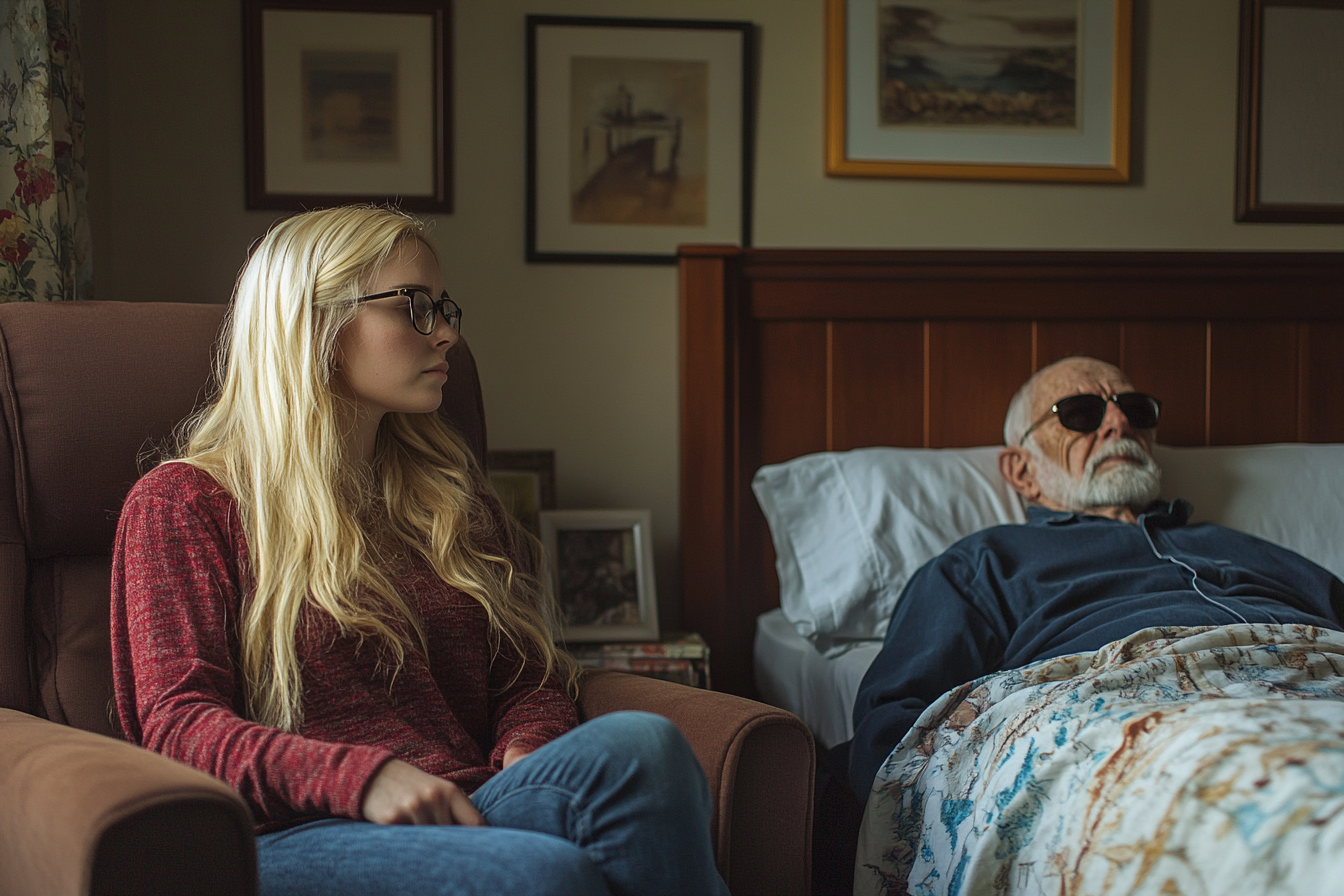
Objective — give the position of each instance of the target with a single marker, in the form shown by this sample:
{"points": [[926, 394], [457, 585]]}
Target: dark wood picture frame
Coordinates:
{"points": [[506, 467], [541, 248], [438, 198], [1251, 206]]}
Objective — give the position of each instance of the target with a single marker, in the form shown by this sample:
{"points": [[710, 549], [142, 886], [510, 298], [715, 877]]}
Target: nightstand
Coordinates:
{"points": [[681, 657]]}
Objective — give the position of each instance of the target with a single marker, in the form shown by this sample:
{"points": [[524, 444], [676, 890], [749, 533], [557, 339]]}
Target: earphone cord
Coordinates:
{"points": [[1194, 576]]}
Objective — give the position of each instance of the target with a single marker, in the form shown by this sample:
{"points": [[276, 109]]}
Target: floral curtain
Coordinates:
{"points": [[45, 251]]}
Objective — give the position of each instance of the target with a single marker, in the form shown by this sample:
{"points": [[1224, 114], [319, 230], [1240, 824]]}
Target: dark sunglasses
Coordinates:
{"points": [[423, 308], [1084, 413]]}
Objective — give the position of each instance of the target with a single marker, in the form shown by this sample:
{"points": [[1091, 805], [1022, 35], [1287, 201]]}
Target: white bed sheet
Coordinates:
{"points": [[792, 675]]}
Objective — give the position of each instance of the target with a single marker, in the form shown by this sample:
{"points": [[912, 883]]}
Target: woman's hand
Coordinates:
{"points": [[402, 794], [513, 754]]}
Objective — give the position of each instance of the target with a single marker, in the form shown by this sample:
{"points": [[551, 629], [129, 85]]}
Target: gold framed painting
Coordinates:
{"points": [[1026, 90], [348, 101]]}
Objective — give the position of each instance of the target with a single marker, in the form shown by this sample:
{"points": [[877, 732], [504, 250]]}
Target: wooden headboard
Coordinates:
{"points": [[788, 352]]}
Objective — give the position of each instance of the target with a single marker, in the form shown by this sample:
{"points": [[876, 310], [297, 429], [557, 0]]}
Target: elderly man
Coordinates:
{"points": [[1098, 559]]}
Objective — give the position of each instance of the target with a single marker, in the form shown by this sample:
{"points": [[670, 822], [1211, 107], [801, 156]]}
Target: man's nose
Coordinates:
{"points": [[1115, 424]]}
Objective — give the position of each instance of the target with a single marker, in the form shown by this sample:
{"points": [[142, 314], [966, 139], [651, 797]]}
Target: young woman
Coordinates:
{"points": [[321, 603]]}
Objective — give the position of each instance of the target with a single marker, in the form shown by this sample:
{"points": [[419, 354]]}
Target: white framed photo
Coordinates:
{"points": [[601, 566]]}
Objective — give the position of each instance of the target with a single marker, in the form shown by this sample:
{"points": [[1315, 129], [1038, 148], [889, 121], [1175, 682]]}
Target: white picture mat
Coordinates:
{"points": [[638, 522], [556, 45], [1090, 143], [285, 35], [1302, 106]]}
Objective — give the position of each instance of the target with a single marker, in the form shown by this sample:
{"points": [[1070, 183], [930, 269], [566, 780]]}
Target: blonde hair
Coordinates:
{"points": [[320, 527]]}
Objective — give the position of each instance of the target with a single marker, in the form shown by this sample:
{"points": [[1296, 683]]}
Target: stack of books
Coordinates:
{"points": [[683, 658]]}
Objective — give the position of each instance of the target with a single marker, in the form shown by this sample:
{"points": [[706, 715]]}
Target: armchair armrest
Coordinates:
{"points": [[759, 762], [81, 813]]}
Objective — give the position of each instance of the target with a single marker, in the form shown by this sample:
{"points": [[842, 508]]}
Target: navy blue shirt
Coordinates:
{"points": [[1068, 583]]}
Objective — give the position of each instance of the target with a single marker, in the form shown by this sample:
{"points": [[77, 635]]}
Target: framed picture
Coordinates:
{"points": [[1290, 112], [525, 484], [638, 137], [602, 564], [348, 101], [1034, 90]]}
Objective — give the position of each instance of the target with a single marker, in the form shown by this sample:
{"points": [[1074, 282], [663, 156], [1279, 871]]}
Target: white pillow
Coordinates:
{"points": [[1292, 495], [851, 527]]}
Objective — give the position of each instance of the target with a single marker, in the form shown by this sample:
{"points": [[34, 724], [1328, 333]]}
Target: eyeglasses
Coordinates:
{"points": [[1084, 413], [423, 308]]}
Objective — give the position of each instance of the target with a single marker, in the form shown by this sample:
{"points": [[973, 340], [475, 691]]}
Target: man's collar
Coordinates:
{"points": [[1169, 515], [1044, 516], [1163, 514]]}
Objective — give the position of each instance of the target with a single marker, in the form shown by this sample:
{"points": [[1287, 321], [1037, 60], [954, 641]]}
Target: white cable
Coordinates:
{"points": [[1194, 576]]}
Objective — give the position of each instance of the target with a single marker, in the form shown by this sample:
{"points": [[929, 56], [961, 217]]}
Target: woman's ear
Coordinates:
{"points": [[1016, 466]]}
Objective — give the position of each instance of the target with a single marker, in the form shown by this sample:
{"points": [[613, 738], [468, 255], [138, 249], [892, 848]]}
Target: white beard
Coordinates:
{"points": [[1124, 485]]}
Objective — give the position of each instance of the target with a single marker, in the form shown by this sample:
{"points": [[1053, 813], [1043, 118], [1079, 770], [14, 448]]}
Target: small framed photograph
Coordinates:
{"points": [[1031, 90], [602, 567], [638, 137], [1290, 112], [348, 101], [525, 484]]}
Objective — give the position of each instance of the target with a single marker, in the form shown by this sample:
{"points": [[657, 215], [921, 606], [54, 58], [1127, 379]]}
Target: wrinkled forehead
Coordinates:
{"points": [[1076, 378]]}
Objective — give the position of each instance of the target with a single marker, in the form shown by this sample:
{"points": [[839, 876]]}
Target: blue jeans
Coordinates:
{"points": [[618, 805]]}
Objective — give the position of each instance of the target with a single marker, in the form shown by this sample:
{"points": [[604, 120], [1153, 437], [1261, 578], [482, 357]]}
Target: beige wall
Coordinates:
{"points": [[583, 359]]}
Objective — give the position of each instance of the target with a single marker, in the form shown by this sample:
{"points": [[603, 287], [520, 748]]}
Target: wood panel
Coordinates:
{"points": [[1253, 372], [974, 369], [877, 384], [793, 389], [1169, 360], [709, 459], [876, 285], [1321, 415], [1050, 299], [1056, 340]]}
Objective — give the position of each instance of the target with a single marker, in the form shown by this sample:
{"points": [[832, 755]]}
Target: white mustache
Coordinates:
{"points": [[1130, 448]]}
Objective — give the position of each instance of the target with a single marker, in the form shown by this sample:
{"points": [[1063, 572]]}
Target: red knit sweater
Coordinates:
{"points": [[179, 575]]}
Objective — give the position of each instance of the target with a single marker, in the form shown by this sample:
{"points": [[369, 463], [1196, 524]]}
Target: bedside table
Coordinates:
{"points": [[680, 657]]}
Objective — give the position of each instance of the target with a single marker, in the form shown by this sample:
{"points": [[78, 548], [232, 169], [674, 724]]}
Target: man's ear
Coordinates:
{"points": [[1017, 469]]}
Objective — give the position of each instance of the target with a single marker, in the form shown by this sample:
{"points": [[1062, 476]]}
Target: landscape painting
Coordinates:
{"points": [[996, 63], [639, 141], [349, 106]]}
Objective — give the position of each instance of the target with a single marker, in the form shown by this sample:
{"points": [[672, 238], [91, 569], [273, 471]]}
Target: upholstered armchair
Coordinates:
{"points": [[86, 388]]}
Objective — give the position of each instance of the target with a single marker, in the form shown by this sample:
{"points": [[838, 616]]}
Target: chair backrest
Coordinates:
{"points": [[86, 388]]}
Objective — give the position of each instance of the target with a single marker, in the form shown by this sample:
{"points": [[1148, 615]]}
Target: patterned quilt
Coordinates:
{"points": [[1175, 761]]}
